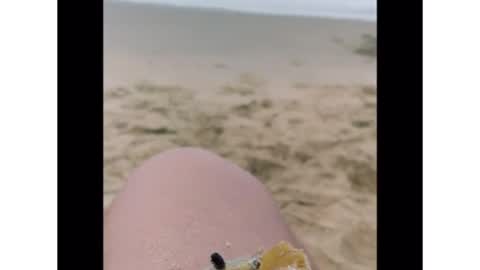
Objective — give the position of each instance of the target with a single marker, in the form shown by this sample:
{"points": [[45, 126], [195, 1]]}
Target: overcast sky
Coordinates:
{"points": [[338, 8]]}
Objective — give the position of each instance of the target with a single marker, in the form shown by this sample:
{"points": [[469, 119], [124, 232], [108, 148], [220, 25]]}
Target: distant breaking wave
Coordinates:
{"points": [[346, 9]]}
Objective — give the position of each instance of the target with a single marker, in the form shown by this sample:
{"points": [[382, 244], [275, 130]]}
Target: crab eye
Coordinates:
{"points": [[254, 263], [217, 261]]}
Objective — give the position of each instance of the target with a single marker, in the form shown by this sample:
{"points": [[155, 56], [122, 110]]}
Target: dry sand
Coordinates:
{"points": [[292, 100]]}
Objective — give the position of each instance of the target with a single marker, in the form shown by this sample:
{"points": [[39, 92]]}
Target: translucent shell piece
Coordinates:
{"points": [[284, 257]]}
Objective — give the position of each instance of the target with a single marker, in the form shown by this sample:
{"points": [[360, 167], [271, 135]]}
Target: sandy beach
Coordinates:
{"points": [[290, 99]]}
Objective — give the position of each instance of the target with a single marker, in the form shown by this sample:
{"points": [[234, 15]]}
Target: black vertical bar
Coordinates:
{"points": [[399, 135], [80, 134]]}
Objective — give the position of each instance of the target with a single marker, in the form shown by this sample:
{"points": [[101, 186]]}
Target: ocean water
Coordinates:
{"points": [[347, 9]]}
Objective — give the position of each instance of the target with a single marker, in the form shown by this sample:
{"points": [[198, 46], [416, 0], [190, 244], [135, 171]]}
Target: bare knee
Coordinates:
{"points": [[191, 201]]}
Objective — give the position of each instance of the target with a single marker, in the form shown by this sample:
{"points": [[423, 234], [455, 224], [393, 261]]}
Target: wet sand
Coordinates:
{"points": [[290, 99]]}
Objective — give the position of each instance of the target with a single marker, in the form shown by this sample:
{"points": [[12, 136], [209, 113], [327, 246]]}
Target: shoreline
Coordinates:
{"points": [[246, 12], [153, 43]]}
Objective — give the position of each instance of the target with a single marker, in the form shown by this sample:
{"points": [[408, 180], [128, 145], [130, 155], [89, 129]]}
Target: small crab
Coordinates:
{"points": [[280, 256]]}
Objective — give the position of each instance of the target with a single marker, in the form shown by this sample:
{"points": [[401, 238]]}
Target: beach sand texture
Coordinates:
{"points": [[295, 106]]}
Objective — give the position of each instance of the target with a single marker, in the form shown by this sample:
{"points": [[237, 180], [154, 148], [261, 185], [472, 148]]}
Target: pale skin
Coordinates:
{"points": [[184, 204]]}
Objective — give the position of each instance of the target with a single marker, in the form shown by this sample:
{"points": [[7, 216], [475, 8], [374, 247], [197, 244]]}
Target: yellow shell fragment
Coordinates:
{"points": [[284, 256]]}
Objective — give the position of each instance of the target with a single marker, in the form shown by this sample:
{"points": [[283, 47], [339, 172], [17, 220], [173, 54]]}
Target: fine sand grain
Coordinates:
{"points": [[296, 107]]}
